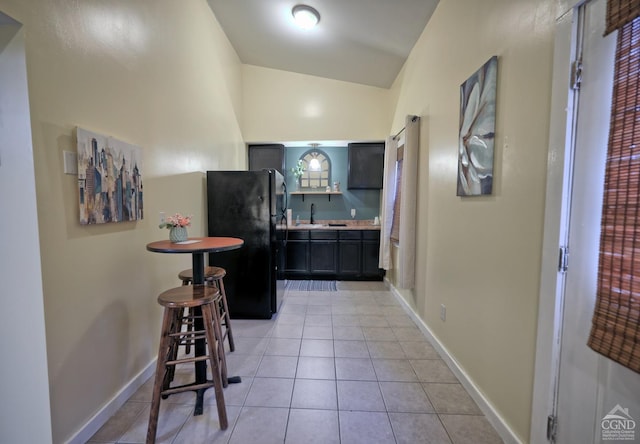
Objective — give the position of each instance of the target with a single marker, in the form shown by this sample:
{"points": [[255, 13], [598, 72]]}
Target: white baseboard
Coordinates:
{"points": [[497, 421], [102, 416]]}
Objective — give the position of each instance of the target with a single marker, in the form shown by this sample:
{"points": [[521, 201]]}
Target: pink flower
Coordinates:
{"points": [[177, 220]]}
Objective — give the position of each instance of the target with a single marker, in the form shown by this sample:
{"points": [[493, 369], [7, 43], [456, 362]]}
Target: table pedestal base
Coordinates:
{"points": [[198, 409]]}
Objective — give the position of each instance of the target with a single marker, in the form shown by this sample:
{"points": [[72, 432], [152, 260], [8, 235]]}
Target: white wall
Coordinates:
{"points": [[157, 73], [24, 384], [286, 106], [480, 256]]}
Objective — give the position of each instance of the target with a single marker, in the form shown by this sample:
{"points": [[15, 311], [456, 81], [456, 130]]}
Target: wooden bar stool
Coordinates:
{"points": [[197, 298], [215, 276]]}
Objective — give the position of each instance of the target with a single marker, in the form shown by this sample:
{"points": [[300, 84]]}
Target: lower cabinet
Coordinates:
{"points": [[323, 250], [322, 257], [297, 254], [331, 254], [371, 253], [350, 258], [350, 247]]}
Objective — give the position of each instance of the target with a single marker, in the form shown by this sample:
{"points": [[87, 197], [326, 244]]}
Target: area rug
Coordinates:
{"points": [[311, 285]]}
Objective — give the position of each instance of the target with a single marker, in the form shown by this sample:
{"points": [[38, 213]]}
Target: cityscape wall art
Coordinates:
{"points": [[109, 179]]}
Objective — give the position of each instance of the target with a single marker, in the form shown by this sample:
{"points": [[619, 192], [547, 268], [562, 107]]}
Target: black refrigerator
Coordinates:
{"points": [[249, 205]]}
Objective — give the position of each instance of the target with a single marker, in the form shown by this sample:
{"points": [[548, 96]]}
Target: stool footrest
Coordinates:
{"points": [[187, 387], [188, 360], [189, 335]]}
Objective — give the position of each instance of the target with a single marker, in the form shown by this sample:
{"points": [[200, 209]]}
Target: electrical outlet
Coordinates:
{"points": [[162, 217], [443, 312]]}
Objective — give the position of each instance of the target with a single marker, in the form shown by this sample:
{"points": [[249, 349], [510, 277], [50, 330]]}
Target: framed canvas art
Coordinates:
{"points": [[109, 179], [477, 131]]}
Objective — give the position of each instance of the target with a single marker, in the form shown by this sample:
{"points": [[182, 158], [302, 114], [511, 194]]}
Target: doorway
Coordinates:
{"points": [[29, 418], [583, 387]]}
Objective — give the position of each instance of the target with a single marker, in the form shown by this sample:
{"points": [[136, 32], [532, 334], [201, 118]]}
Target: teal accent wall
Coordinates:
{"points": [[366, 202]]}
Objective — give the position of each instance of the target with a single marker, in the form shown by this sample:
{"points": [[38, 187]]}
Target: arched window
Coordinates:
{"points": [[317, 169]]}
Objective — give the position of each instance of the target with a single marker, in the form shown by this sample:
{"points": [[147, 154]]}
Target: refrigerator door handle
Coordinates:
{"points": [[286, 198]]}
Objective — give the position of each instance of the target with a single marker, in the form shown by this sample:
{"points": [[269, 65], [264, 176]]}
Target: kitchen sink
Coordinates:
{"points": [[311, 226]]}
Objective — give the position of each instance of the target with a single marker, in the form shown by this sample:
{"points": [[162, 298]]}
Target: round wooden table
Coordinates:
{"points": [[198, 247]]}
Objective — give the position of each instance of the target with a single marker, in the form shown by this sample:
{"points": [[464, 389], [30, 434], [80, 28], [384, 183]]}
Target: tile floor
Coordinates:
{"points": [[344, 367]]}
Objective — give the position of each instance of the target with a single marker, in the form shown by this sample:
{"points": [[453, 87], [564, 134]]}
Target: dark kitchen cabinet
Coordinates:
{"points": [[266, 157], [350, 254], [323, 248], [322, 255], [331, 254], [366, 166], [350, 258], [297, 253], [371, 253]]}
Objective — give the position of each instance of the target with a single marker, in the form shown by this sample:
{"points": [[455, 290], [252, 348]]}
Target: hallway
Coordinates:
{"points": [[343, 367]]}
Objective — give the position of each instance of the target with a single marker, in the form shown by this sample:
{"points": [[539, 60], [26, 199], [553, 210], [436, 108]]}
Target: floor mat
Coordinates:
{"points": [[311, 285]]}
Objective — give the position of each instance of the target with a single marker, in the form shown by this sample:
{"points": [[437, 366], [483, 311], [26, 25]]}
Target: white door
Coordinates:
{"points": [[590, 386]]}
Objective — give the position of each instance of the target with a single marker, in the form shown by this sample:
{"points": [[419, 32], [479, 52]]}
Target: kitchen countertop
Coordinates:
{"points": [[325, 225]]}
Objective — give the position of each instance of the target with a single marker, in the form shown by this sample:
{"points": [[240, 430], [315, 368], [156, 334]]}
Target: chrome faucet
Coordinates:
{"points": [[313, 211]]}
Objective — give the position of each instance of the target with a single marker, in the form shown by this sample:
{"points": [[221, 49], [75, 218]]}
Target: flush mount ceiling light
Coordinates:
{"points": [[305, 16]]}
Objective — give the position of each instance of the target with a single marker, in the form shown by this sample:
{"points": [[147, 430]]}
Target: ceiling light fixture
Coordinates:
{"points": [[314, 163], [305, 16]]}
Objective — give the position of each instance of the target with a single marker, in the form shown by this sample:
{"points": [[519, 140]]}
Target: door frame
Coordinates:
{"points": [[29, 418], [563, 113]]}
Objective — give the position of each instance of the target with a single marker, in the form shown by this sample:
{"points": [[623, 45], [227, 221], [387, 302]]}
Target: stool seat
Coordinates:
{"points": [[215, 273], [188, 297]]}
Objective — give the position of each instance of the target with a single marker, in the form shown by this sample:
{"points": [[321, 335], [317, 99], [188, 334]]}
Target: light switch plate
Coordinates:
{"points": [[70, 162]]}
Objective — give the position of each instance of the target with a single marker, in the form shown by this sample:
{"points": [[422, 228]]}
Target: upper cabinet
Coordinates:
{"points": [[266, 156], [366, 164]]}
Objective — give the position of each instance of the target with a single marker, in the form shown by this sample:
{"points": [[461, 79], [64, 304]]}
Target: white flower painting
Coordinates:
{"points": [[477, 131]]}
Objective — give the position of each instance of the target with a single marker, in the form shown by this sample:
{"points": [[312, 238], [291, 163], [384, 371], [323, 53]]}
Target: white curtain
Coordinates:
{"points": [[407, 255], [388, 195], [407, 249]]}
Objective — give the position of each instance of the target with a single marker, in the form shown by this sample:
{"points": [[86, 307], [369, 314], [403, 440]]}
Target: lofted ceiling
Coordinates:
{"points": [[360, 41]]}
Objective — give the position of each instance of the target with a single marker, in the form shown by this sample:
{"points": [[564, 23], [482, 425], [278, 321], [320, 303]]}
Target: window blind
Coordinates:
{"points": [[395, 225], [621, 12], [615, 331]]}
